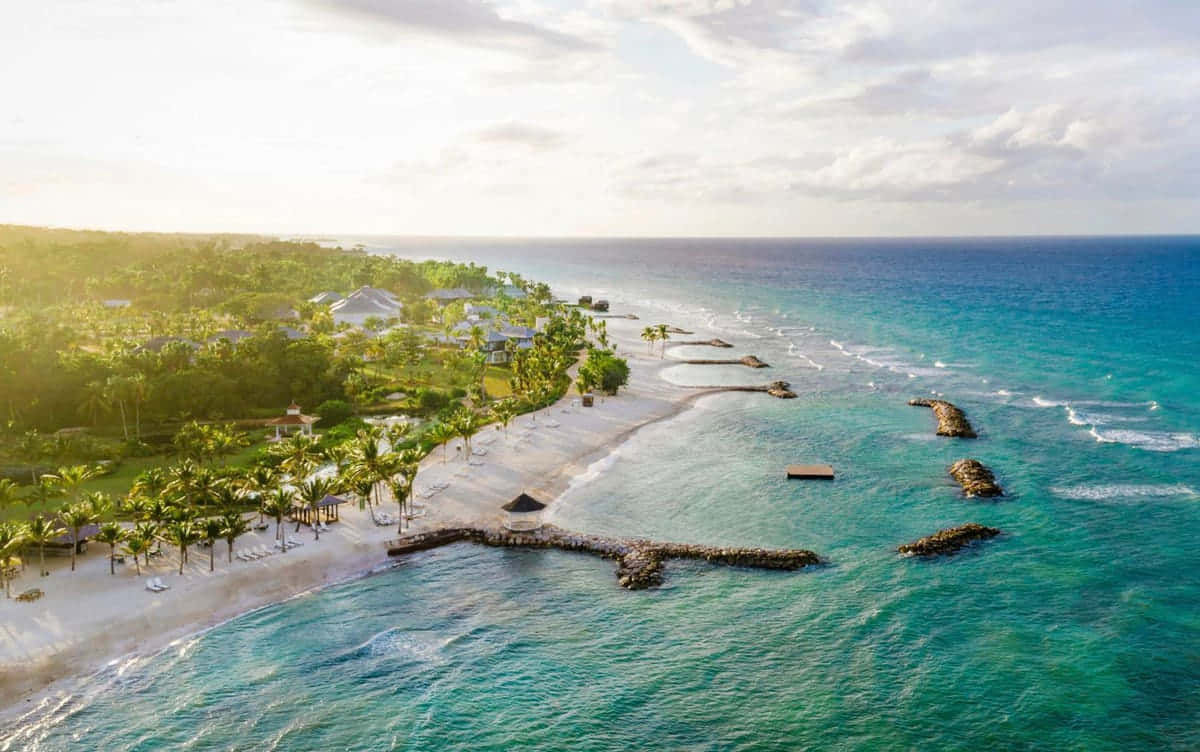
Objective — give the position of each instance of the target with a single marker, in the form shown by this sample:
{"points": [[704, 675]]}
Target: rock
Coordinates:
{"points": [[951, 420], [948, 541], [781, 390], [708, 343], [750, 361], [975, 479]]}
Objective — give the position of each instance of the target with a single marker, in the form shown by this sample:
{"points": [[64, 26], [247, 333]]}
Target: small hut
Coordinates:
{"points": [[327, 509], [293, 420], [524, 513]]}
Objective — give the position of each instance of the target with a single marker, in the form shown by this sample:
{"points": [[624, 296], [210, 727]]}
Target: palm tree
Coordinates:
{"points": [[101, 504], [310, 493], [663, 336], [467, 423], [111, 533], [182, 533], [401, 490], [96, 400], [148, 531], [276, 505], [212, 529], [76, 517], [505, 412], [443, 434], [298, 455], [69, 479], [233, 526], [12, 537], [650, 335], [135, 546], [150, 483], [41, 531]]}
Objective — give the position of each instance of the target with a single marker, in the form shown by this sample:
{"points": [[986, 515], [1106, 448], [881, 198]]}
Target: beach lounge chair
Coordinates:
{"points": [[475, 463], [152, 587], [479, 451], [158, 583]]}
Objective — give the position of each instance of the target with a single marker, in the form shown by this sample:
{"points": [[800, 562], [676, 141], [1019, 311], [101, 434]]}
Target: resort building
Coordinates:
{"points": [[445, 297], [293, 421], [364, 303], [481, 312], [328, 297]]}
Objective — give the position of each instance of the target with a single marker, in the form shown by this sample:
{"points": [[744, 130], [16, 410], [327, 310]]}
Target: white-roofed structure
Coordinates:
{"points": [[364, 303], [328, 297]]}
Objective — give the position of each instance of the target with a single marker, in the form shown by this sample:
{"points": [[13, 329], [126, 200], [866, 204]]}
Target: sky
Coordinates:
{"points": [[602, 117]]}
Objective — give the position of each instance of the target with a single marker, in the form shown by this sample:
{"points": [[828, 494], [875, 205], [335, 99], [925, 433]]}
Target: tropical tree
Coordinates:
{"points": [[111, 533], [182, 533], [147, 530], [43, 530], [276, 505], [12, 537], [310, 493], [442, 434], [69, 479], [233, 526], [212, 529], [504, 412], [663, 336], [298, 454], [467, 423], [135, 546], [650, 336], [76, 517]]}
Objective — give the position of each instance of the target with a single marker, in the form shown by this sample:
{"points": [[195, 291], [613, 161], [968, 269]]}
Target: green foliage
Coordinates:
{"points": [[333, 412], [604, 370]]}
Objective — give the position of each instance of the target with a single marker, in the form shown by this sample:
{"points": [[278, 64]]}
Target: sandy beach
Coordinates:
{"points": [[89, 618]]}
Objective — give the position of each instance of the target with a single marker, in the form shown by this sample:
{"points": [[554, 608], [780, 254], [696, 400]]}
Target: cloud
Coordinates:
{"points": [[469, 22], [521, 134]]}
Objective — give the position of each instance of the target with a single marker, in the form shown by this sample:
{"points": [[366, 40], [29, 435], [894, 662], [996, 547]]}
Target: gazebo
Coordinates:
{"points": [[524, 513], [327, 508], [291, 420]]}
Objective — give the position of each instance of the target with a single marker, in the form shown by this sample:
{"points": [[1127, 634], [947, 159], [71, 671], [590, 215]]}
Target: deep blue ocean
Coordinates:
{"points": [[1077, 629]]}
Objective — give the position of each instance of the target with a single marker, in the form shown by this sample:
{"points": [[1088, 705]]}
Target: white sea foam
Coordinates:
{"points": [[1154, 441], [938, 364], [1122, 490]]}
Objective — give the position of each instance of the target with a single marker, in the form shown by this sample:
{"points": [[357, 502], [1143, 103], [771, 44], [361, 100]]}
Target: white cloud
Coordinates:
{"points": [[614, 116]]}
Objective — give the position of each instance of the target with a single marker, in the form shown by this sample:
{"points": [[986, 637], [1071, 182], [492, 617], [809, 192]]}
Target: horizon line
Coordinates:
{"points": [[325, 235]]}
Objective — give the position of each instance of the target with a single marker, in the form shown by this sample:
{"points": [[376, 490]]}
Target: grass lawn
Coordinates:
{"points": [[116, 484]]}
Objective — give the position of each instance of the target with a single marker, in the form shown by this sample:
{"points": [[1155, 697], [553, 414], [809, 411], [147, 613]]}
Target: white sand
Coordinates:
{"points": [[89, 618]]}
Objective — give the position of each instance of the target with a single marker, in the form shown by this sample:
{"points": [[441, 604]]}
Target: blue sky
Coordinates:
{"points": [[602, 117]]}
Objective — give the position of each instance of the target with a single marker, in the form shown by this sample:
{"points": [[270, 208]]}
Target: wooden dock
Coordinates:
{"points": [[810, 472]]}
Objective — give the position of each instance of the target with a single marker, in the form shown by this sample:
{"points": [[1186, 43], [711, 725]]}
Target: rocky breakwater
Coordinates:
{"points": [[951, 420], [948, 541], [975, 478], [750, 361], [707, 343], [639, 562]]}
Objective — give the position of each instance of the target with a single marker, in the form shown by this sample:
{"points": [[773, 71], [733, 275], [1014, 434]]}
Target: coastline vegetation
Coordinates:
{"points": [[140, 373]]}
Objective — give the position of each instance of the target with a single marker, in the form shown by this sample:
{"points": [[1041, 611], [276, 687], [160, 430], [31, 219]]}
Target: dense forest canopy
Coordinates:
{"points": [[67, 358]]}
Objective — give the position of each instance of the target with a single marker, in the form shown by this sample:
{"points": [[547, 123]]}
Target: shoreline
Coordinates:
{"points": [[90, 621]]}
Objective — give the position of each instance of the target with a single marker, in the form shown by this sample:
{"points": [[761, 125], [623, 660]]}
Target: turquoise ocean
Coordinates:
{"points": [[1077, 629]]}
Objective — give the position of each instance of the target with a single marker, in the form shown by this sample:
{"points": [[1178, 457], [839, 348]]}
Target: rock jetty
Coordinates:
{"points": [[780, 389], [750, 361], [951, 420], [975, 478], [948, 541], [639, 562], [677, 330], [707, 343]]}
